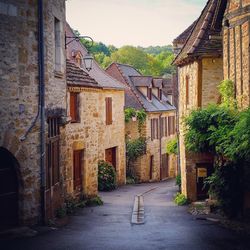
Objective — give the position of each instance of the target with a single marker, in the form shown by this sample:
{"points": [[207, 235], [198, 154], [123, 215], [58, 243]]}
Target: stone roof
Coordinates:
{"points": [[97, 73], [205, 38], [77, 77], [133, 96]]}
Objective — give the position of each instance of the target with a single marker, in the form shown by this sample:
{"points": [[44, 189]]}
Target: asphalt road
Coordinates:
{"points": [[108, 227]]}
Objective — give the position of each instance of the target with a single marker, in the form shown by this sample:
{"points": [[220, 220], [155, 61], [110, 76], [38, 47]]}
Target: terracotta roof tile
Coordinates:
{"points": [[200, 41], [78, 77]]}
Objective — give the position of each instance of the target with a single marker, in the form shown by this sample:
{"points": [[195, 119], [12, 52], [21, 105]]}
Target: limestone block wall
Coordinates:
{"points": [[212, 74], [19, 92], [113, 135], [236, 57], [93, 136]]}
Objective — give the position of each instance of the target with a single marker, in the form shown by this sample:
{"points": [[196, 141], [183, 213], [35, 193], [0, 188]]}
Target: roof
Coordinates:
{"points": [[97, 73], [182, 38], [204, 38], [133, 96], [77, 77]]}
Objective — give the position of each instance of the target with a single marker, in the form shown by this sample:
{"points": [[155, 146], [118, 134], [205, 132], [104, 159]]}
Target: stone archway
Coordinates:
{"points": [[9, 197]]}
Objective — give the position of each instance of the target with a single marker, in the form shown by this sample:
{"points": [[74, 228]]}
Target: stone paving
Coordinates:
{"points": [[109, 227]]}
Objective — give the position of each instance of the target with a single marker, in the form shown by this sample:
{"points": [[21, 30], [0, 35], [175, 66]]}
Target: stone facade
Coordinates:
{"points": [[211, 75], [236, 39], [19, 93], [142, 165], [93, 136]]}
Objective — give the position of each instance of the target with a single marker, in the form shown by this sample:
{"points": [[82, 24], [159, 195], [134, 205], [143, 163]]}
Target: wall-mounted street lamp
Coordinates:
{"points": [[87, 59]]}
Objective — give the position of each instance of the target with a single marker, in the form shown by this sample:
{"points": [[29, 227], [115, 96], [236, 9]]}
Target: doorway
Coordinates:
{"points": [[164, 167], [202, 172], [8, 189], [151, 167], [110, 156]]}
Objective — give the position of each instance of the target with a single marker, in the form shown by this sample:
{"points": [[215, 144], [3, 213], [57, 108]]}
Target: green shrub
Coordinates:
{"points": [[178, 180], [180, 199], [95, 201], [135, 148], [172, 147], [106, 176]]}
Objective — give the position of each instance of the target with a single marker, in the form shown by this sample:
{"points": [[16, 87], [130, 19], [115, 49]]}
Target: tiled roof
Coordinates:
{"points": [[97, 73], [204, 38], [133, 96], [182, 38], [78, 77]]}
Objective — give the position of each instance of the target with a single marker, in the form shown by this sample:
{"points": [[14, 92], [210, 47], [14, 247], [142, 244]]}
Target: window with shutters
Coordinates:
{"points": [[171, 125], [74, 107], [166, 126], [53, 153], [108, 101], [149, 93], [77, 168], [154, 129]]}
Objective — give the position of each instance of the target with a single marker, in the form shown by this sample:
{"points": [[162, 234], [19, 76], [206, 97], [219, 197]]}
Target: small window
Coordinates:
{"points": [[108, 101], [74, 107], [187, 90], [149, 93]]}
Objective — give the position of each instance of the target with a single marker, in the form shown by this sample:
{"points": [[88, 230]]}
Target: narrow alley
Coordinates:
{"points": [[108, 227]]}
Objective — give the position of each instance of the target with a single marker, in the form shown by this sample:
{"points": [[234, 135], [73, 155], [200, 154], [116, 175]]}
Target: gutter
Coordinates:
{"points": [[41, 106]]}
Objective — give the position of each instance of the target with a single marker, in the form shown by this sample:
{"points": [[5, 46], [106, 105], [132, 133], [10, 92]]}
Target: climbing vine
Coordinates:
{"points": [[223, 131], [140, 115]]}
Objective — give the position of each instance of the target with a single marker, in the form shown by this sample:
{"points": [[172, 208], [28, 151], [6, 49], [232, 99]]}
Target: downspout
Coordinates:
{"points": [[160, 143], [42, 104], [178, 124]]}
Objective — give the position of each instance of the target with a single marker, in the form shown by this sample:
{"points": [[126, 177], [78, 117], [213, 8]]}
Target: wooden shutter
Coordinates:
{"points": [[187, 90], [77, 165], [108, 101], [152, 131], [169, 125], [162, 126], [157, 128], [166, 126], [74, 107], [174, 129]]}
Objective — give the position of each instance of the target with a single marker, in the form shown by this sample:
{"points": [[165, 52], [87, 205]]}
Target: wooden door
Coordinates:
{"points": [[110, 156], [8, 190], [164, 166], [78, 169], [151, 167]]}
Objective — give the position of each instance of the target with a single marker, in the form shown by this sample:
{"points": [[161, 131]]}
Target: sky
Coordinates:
{"points": [[132, 22]]}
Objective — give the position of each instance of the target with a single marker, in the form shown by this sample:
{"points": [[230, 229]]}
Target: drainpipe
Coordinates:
{"points": [[42, 104], [160, 125]]}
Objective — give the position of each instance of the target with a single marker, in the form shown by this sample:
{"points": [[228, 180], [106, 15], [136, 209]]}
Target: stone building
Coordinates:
{"points": [[97, 130], [145, 92], [200, 70], [33, 109], [236, 40]]}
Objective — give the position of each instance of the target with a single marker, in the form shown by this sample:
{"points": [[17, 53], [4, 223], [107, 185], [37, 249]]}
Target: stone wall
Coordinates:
{"points": [[212, 74], [236, 39], [19, 92], [93, 136], [142, 165]]}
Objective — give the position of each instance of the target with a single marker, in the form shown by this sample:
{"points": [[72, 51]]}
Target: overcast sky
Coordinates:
{"points": [[133, 22]]}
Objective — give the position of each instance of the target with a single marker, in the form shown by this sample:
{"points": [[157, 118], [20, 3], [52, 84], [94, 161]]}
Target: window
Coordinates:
{"points": [[187, 90], [53, 156], [58, 45], [108, 101], [154, 129], [149, 93], [74, 107], [166, 127], [77, 166], [160, 93]]}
